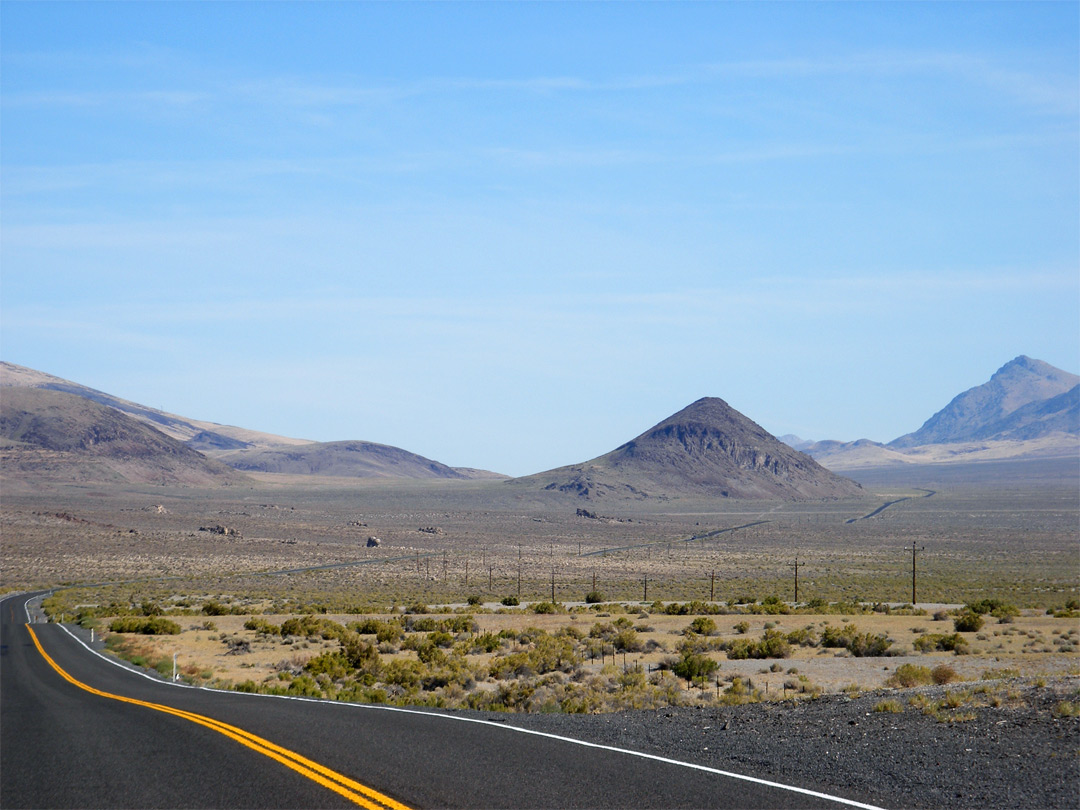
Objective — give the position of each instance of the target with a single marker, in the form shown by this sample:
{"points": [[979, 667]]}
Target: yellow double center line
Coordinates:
{"points": [[332, 780]]}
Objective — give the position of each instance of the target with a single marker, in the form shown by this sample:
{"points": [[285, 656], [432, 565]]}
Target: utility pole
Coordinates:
{"points": [[491, 572], [796, 579], [466, 573], [913, 550], [645, 597], [712, 586], [553, 586]]}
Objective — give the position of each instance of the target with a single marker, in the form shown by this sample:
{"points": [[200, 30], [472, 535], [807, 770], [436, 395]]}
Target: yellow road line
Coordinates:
{"points": [[353, 791]]}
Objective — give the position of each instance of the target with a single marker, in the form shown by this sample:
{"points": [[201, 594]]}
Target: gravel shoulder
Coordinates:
{"points": [[1022, 754]]}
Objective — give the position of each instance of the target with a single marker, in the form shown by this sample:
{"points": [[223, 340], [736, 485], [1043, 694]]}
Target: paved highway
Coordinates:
{"points": [[78, 731]]}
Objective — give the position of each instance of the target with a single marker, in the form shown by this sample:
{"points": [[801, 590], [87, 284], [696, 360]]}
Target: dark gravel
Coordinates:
{"points": [[1022, 754]]}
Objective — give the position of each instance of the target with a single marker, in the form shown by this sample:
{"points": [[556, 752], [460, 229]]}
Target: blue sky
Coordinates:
{"points": [[513, 236]]}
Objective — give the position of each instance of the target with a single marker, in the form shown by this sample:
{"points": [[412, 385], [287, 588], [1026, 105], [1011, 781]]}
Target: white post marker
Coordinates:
{"points": [[174, 666]]}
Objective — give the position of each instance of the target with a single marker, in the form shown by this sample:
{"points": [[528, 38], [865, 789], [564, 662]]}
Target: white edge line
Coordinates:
{"points": [[376, 707]]}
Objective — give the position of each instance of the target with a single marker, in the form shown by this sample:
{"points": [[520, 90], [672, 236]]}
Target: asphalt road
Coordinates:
{"points": [[62, 746]]}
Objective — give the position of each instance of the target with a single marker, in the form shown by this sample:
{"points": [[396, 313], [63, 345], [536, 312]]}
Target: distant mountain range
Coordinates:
{"points": [[54, 429], [1027, 409], [707, 449], [231, 449]]}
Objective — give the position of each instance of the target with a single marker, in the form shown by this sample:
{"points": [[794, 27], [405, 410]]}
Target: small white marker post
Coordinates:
{"points": [[91, 635], [174, 666]]}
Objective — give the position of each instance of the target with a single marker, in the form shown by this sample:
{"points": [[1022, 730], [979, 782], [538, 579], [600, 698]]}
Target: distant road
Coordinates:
{"points": [[64, 746]]}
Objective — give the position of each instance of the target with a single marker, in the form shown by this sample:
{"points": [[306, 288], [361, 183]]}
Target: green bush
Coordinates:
{"points": [[968, 622], [262, 626], [995, 607], [475, 600], [931, 642], [703, 626], [511, 601], [908, 675], [147, 625], [857, 643], [594, 597], [545, 607], [772, 645], [694, 667]]}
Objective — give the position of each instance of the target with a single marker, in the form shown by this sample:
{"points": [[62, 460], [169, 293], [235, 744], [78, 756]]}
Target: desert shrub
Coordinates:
{"points": [[332, 664], [995, 607], [304, 686], [627, 639], [440, 638], [547, 654], [907, 675], [403, 672], [772, 645], [968, 622], [429, 653], [147, 625], [308, 626], [262, 626], [804, 637], [694, 667], [486, 642], [360, 653], [857, 643], [213, 607], [943, 674], [545, 607], [742, 627], [941, 615], [474, 600], [702, 625], [511, 601], [932, 642], [890, 706], [594, 597]]}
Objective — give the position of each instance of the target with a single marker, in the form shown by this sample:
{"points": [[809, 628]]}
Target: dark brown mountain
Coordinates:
{"points": [[998, 409], [57, 436], [707, 449]]}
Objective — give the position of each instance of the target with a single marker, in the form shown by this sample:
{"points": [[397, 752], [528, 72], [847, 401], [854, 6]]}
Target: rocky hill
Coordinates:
{"points": [[1024, 399], [48, 435], [198, 434], [350, 459], [252, 450], [707, 449]]}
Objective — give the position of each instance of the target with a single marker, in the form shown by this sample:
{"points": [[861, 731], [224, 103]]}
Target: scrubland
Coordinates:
{"points": [[449, 555]]}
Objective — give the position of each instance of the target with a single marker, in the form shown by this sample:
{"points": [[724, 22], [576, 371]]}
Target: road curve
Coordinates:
{"points": [[61, 746]]}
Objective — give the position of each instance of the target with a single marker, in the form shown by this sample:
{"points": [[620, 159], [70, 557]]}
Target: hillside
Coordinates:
{"points": [[252, 450], [351, 459], [56, 436], [200, 435], [1014, 404], [707, 449]]}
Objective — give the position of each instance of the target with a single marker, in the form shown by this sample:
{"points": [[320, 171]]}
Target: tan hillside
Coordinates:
{"points": [[56, 436]]}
